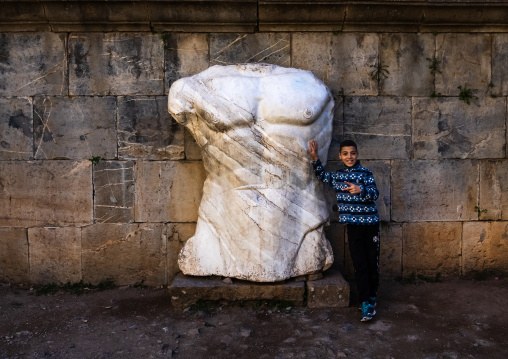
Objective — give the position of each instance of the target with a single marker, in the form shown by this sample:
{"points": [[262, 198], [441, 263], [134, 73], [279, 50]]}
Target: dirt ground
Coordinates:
{"points": [[454, 318]]}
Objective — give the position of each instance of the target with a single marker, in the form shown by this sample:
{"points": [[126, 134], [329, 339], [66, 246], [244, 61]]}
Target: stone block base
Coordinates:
{"points": [[330, 291]]}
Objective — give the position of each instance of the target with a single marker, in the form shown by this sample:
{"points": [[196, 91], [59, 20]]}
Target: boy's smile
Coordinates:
{"points": [[348, 155]]}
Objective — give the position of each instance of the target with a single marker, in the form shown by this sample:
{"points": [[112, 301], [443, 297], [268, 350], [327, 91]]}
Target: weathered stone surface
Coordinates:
{"points": [[352, 58], [252, 15], [203, 16], [300, 16], [499, 68], [16, 129], [337, 127], [187, 290], [405, 57], [485, 247], [449, 128], [20, 16], [336, 235], [74, 128], [229, 49], [14, 255], [464, 17], [184, 55], [381, 126], [55, 255], [177, 235], [465, 60], [378, 17], [390, 257], [125, 253], [147, 131], [494, 190], [431, 248], [45, 193], [344, 62], [434, 190], [116, 64], [168, 191], [33, 64], [262, 215], [382, 174], [332, 291], [312, 51], [97, 16], [114, 191], [192, 150]]}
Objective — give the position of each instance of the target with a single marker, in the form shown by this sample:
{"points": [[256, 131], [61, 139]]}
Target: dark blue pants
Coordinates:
{"points": [[364, 249]]}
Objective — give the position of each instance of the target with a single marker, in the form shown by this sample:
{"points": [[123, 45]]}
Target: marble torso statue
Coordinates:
{"points": [[262, 214]]}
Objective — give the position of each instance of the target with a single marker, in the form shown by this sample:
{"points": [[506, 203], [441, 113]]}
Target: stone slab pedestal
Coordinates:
{"points": [[330, 291]]}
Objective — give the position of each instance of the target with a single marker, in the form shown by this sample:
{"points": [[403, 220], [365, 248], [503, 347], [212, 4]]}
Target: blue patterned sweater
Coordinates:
{"points": [[353, 208]]}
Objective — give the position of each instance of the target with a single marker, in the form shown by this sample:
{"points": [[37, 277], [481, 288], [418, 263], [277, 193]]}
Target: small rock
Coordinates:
{"points": [[24, 332], [245, 332], [341, 355], [347, 327], [227, 281], [227, 340], [290, 340], [301, 278], [307, 333], [194, 332], [380, 326], [324, 316]]}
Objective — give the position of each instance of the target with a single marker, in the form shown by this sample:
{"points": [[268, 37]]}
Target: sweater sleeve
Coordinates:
{"points": [[321, 174], [368, 188]]}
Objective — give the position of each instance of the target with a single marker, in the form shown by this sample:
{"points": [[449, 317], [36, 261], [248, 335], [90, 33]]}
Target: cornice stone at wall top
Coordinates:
{"points": [[254, 15]]}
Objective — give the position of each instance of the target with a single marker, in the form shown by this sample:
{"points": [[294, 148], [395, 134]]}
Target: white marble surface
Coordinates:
{"points": [[262, 214]]}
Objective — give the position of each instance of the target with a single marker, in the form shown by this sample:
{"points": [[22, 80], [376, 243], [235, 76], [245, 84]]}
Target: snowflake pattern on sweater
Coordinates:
{"points": [[353, 208]]}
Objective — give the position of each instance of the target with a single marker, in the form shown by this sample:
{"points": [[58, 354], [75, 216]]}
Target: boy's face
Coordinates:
{"points": [[348, 155]]}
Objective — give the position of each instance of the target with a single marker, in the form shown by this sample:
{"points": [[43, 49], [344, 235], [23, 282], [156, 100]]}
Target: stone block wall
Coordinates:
{"points": [[97, 181]]}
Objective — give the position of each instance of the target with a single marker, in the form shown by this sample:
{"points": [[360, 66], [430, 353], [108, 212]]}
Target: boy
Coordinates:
{"points": [[356, 192]]}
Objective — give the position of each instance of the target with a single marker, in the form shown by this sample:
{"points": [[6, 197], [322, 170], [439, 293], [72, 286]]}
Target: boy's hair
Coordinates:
{"points": [[347, 143]]}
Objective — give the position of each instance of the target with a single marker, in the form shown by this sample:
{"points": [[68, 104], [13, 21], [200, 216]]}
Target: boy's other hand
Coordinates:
{"points": [[313, 150], [353, 188]]}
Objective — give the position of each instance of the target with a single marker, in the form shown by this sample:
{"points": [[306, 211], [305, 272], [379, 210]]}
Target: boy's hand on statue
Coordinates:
{"points": [[353, 188], [313, 150]]}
